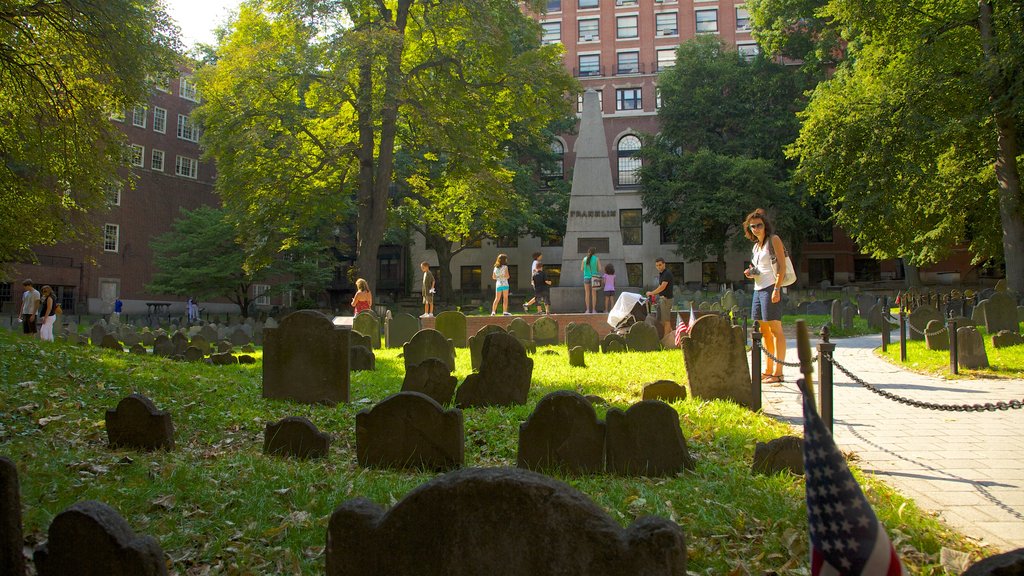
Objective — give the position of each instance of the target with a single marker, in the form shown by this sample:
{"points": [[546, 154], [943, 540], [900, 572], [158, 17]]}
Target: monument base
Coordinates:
{"points": [[570, 299]]}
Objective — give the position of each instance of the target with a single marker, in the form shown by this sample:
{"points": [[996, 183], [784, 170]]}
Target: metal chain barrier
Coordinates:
{"points": [[783, 362], [922, 332]]}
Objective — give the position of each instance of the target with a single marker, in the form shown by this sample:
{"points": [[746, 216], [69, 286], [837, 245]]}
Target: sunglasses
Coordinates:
{"points": [[757, 226]]}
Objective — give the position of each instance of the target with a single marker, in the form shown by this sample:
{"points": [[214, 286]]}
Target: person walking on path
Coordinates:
{"points": [[766, 306], [534, 268], [29, 307], [501, 288], [663, 296], [591, 267], [542, 290], [47, 314], [118, 306], [428, 290], [363, 299]]}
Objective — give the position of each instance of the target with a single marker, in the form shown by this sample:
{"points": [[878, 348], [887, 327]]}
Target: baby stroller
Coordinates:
{"points": [[629, 309]]}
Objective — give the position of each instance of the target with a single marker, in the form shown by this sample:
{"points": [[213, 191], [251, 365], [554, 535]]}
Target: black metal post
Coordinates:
{"points": [[885, 332], [903, 335], [825, 348], [755, 366], [954, 365]]}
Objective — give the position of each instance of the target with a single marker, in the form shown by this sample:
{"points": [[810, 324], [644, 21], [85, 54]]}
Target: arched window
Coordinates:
{"points": [[558, 169], [628, 151]]}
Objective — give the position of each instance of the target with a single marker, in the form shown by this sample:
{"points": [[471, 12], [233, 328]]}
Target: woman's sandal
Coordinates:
{"points": [[772, 379]]}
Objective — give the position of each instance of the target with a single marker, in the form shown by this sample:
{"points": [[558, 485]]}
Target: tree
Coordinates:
{"points": [[309, 102], [725, 122], [64, 68], [914, 140]]}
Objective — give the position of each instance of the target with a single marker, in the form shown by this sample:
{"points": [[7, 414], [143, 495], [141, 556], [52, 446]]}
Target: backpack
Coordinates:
{"points": [[790, 276]]}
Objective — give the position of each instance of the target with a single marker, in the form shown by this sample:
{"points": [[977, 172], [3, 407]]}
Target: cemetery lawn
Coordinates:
{"points": [[217, 505], [816, 321], [1003, 362]]}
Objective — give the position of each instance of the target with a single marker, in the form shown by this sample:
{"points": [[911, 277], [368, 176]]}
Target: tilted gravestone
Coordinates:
{"points": [[305, 359], [613, 343], [136, 423], [504, 376], [578, 357], [246, 359], [12, 561], [1005, 339], [666, 390], [970, 348], [91, 539], [223, 359], [296, 437], [367, 324], [476, 344], [1001, 314], [361, 358], [428, 343], [919, 319], [936, 336], [716, 361], [563, 433], [453, 325], [520, 329], [729, 300], [582, 335], [545, 331], [1006, 564], [410, 430], [433, 378], [784, 453], [642, 337], [399, 329], [978, 315], [110, 343], [645, 440], [499, 522]]}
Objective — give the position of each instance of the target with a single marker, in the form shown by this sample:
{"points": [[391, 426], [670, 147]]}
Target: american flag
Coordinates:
{"points": [[846, 537], [684, 327]]}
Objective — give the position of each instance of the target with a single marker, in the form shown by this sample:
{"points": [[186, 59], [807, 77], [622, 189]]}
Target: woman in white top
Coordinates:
{"points": [[766, 307], [500, 277]]}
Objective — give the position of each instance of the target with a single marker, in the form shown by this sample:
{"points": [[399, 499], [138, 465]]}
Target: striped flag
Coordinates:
{"points": [[847, 538]]}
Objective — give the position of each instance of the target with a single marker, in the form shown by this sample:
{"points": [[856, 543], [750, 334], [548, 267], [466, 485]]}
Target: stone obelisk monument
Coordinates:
{"points": [[593, 213]]}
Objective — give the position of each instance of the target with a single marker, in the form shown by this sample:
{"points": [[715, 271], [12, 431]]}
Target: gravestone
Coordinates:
{"points": [[545, 331], [1006, 564], [227, 359], [563, 433], [97, 333], [246, 359], [642, 337], [498, 522], [162, 346], [646, 440], [613, 342], [248, 348], [295, 437], [1001, 314], [520, 329], [817, 308], [110, 343], [12, 561], [1005, 339], [136, 423], [209, 333], [848, 314], [864, 304], [361, 358], [453, 325], [919, 319], [432, 378], [716, 361], [476, 344], [410, 430], [578, 334], [704, 307], [577, 357], [240, 336], [138, 349], [270, 323], [428, 343], [225, 347], [367, 324], [504, 376], [130, 339], [978, 315], [874, 317], [147, 337], [306, 360], [201, 343], [837, 313], [180, 341], [193, 354], [784, 453], [666, 390], [936, 336], [399, 328], [729, 300], [91, 539], [357, 339], [970, 348]]}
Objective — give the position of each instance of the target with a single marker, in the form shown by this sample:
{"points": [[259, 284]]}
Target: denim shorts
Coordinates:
{"points": [[762, 307]]}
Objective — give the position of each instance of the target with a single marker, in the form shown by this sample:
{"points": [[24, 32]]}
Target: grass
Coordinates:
{"points": [[1003, 362], [816, 321], [218, 506]]}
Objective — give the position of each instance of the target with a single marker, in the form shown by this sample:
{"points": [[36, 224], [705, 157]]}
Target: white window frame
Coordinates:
{"points": [[742, 14], [153, 164], [139, 114], [548, 36], [639, 100], [665, 63], [259, 294], [698, 22], [138, 155], [186, 167], [187, 129], [620, 29], [111, 237], [187, 89], [595, 37], [159, 120], [117, 115], [600, 101], [579, 62], [662, 28], [628, 162], [748, 50], [635, 54], [114, 194]]}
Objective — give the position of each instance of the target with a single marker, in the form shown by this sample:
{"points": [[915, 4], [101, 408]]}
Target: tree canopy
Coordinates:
{"points": [[64, 68]]}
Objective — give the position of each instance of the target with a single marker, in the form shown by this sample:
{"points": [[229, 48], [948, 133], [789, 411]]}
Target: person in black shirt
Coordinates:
{"points": [[542, 289], [663, 293]]}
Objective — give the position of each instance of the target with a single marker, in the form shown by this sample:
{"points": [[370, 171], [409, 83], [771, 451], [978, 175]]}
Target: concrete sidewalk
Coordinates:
{"points": [[967, 467]]}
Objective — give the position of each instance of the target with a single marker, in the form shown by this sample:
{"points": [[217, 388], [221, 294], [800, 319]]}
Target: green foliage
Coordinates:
{"points": [[798, 31], [64, 68]]}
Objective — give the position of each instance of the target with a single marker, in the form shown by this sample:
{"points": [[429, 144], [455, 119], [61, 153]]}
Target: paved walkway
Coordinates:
{"points": [[968, 467]]}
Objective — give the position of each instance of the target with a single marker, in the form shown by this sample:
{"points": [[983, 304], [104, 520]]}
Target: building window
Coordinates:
{"points": [[666, 24], [139, 116], [628, 152], [5, 291], [626, 27], [469, 279], [159, 120], [111, 236], [554, 5], [631, 224], [552, 32], [867, 269], [742, 20], [507, 241], [635, 274], [677, 269], [657, 97], [156, 160], [260, 296], [117, 115], [113, 194], [554, 273], [187, 167], [600, 101], [551, 240], [138, 155], [629, 99], [590, 65], [588, 4], [748, 50], [187, 89], [588, 29], [187, 129], [707, 20], [666, 58], [558, 150], [628, 62]]}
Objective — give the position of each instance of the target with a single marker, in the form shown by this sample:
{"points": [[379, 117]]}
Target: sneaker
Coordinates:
{"points": [[526, 307], [506, 314], [424, 315], [492, 313], [430, 315]]}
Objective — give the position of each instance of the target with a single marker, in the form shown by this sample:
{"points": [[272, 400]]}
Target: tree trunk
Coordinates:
{"points": [[913, 274], [443, 249]]}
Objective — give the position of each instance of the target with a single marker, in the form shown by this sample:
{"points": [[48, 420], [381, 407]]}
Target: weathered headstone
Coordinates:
{"points": [[147, 337], [729, 300], [361, 358], [138, 349], [646, 440], [1005, 339], [225, 347], [864, 304], [848, 313], [367, 324], [579, 334], [433, 378], [936, 336], [1001, 314], [874, 317], [162, 346], [201, 343], [399, 329], [246, 359], [12, 561], [136, 423], [410, 430], [817, 308], [978, 315], [180, 341], [970, 348], [209, 333], [295, 437], [358, 339], [545, 331], [613, 343], [504, 376], [193, 354], [240, 335], [784, 453], [223, 359], [92, 539], [666, 390], [306, 359], [429, 343], [130, 338], [520, 329], [919, 319], [716, 361], [499, 522], [643, 337], [837, 313], [563, 433], [110, 343], [453, 325], [476, 344], [578, 357], [96, 334]]}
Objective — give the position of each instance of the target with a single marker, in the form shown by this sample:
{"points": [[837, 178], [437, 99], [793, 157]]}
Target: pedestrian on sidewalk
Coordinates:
{"points": [[500, 276], [428, 290], [766, 306], [29, 308]]}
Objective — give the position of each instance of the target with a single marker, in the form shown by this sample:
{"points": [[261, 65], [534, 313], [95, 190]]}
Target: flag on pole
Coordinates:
{"points": [[693, 318], [681, 328], [847, 538]]}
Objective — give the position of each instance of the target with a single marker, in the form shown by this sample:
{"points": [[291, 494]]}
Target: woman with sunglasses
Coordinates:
{"points": [[766, 307]]}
